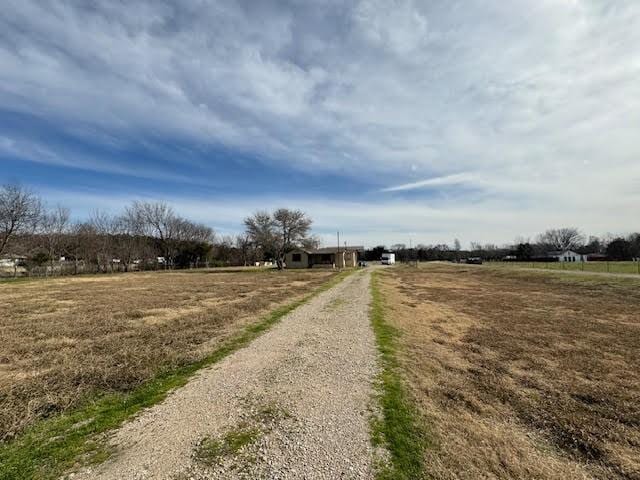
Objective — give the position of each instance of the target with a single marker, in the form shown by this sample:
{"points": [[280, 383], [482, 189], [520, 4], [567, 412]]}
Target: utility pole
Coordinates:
{"points": [[338, 251], [410, 252], [344, 255]]}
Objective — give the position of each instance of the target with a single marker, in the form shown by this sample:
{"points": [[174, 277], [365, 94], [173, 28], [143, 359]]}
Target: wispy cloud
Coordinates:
{"points": [[34, 151], [455, 179], [535, 102]]}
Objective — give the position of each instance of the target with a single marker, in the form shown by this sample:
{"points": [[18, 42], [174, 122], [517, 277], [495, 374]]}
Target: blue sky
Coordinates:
{"points": [[390, 121]]}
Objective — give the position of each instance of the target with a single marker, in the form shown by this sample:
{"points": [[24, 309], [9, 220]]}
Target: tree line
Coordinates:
{"points": [[151, 235], [609, 247], [145, 235]]}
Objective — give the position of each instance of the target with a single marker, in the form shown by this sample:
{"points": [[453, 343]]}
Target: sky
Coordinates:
{"points": [[391, 121]]}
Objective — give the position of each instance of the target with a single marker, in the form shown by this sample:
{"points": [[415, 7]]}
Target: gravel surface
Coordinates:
{"points": [[295, 404]]}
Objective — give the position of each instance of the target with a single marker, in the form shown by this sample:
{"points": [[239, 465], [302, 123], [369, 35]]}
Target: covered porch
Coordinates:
{"points": [[330, 257]]}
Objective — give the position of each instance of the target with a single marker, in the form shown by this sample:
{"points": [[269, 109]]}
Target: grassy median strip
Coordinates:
{"points": [[53, 446], [399, 429]]}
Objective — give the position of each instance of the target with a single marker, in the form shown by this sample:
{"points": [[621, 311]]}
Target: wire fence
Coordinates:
{"points": [[627, 267], [58, 269]]}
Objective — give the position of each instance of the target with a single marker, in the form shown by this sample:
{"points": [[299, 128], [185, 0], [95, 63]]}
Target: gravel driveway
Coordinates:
{"points": [[295, 404]]}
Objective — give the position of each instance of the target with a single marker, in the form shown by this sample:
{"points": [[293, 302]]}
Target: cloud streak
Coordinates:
{"points": [[455, 179]]}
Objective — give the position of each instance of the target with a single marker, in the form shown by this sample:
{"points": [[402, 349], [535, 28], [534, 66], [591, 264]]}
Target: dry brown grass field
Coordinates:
{"points": [[66, 339], [521, 374]]}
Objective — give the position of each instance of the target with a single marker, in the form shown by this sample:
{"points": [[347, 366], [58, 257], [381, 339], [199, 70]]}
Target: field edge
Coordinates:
{"points": [[54, 446], [399, 428]]}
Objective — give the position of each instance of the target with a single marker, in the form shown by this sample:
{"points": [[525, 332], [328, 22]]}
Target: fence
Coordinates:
{"points": [[627, 267], [81, 268]]}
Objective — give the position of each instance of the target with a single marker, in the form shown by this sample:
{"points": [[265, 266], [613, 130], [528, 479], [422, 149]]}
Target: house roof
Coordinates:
{"points": [[556, 253], [336, 249], [325, 250]]}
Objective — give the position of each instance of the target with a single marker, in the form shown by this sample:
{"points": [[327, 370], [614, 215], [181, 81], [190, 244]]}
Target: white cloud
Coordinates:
{"points": [[455, 179], [538, 102]]}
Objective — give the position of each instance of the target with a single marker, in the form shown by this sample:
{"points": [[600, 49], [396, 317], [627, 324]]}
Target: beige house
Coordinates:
{"points": [[330, 257]]}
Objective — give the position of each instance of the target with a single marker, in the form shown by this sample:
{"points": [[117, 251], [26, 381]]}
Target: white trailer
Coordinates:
{"points": [[388, 259]]}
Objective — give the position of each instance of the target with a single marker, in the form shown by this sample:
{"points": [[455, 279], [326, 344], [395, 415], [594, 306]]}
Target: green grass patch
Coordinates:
{"points": [[560, 277], [270, 414], [400, 428], [595, 267], [50, 447], [212, 451], [17, 279], [233, 446]]}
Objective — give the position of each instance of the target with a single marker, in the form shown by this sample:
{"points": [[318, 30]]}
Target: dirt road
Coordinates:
{"points": [[295, 404]]}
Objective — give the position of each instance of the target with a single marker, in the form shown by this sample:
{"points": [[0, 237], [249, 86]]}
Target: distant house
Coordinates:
{"points": [[12, 265], [10, 261], [566, 256], [330, 257]]}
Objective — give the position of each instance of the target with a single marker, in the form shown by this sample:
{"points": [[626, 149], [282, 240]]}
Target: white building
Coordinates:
{"points": [[567, 256], [12, 265], [388, 259], [11, 261]]}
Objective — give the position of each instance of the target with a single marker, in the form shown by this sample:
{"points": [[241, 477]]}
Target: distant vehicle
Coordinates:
{"points": [[362, 263], [388, 258], [474, 260]]}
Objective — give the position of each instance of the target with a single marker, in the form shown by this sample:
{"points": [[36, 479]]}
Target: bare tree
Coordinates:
{"points": [[19, 212], [279, 233], [261, 230], [105, 227], [186, 230], [130, 242], [171, 232], [54, 226], [562, 239], [244, 245], [81, 244], [157, 220], [292, 228], [310, 243], [191, 242]]}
